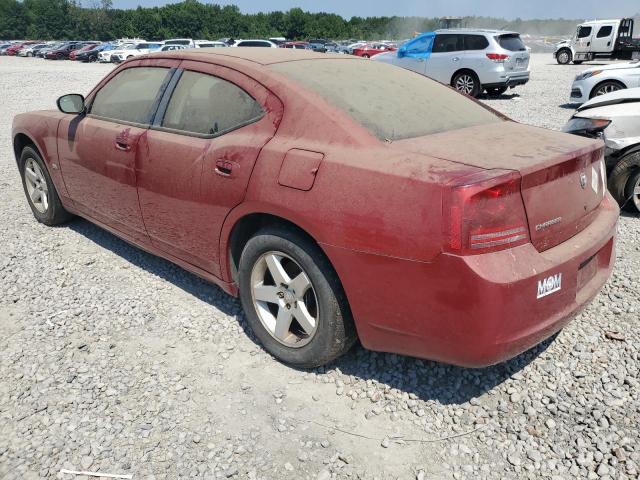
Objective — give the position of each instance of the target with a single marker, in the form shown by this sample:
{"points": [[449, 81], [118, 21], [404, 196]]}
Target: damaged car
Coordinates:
{"points": [[615, 118]]}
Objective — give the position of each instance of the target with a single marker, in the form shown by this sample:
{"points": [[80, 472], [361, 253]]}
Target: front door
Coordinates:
{"points": [[446, 58], [98, 150], [197, 158], [583, 39]]}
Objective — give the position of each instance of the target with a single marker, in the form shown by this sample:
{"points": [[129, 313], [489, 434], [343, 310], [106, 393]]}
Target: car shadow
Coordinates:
{"points": [[504, 96], [424, 379], [569, 106]]}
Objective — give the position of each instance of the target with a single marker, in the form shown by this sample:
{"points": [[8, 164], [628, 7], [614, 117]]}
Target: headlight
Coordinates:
{"points": [[585, 75], [586, 126]]}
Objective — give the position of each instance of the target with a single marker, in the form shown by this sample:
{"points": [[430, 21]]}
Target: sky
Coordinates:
{"points": [[588, 9]]}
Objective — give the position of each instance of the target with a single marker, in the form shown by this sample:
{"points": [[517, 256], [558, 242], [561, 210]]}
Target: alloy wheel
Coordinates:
{"points": [[284, 299], [608, 88], [563, 57], [36, 185], [636, 194], [465, 84]]}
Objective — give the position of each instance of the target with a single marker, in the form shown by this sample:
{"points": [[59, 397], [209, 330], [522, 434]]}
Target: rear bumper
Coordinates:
{"points": [[500, 78], [478, 310]]}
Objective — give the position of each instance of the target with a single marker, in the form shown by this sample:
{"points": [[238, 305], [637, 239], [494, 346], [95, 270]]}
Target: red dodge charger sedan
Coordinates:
{"points": [[416, 220]]}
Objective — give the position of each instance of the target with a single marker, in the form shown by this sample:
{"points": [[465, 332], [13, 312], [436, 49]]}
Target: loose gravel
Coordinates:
{"points": [[116, 361]]}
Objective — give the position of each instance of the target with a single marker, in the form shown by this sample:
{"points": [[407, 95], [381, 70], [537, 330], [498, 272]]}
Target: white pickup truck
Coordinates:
{"points": [[612, 39]]}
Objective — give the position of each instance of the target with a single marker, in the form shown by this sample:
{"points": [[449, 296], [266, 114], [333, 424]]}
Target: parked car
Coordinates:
{"points": [[31, 50], [186, 42], [316, 195], [4, 47], [85, 48], [615, 117], [255, 43], [605, 39], [605, 79], [135, 50], [53, 46], [296, 45], [63, 52], [91, 55], [318, 44], [209, 44], [168, 48], [372, 49], [471, 61], [16, 47], [105, 55]]}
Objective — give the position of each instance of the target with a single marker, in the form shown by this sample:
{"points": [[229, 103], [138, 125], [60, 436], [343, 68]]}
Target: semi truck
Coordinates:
{"points": [[603, 39]]}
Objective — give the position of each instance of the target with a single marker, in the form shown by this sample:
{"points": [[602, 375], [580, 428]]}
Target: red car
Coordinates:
{"points": [[86, 48], [371, 49], [412, 218], [14, 49]]}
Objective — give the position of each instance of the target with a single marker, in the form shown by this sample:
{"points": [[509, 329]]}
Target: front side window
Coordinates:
{"points": [[208, 105], [605, 31], [584, 32], [447, 43], [130, 95]]}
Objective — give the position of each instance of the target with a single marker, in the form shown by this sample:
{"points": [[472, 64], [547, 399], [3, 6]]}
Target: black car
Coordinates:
{"points": [[90, 55], [63, 51]]}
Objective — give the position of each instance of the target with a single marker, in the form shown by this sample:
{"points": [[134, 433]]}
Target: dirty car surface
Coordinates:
{"points": [[418, 221]]}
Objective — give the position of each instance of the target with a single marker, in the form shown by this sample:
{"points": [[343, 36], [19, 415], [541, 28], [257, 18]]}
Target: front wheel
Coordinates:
{"points": [[293, 300], [564, 56], [40, 190], [467, 82], [606, 87]]}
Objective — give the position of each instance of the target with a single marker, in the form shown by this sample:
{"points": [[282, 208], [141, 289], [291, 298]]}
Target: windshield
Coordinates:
{"points": [[391, 102]]}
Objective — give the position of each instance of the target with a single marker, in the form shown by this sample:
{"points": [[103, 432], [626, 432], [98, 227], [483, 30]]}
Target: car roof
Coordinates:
{"points": [[596, 22], [477, 31], [257, 55]]}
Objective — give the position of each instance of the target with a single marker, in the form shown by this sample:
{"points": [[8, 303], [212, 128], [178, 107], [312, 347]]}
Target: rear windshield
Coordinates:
{"points": [[391, 102], [511, 42]]}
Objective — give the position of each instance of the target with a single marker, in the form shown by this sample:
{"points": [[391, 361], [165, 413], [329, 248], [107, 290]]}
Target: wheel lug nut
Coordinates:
{"points": [[288, 307]]}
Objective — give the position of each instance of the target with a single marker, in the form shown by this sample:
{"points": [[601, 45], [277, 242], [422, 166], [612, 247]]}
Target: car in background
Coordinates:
{"points": [[185, 42], [310, 196], [615, 118], [470, 60], [31, 50], [87, 46], [105, 55], [91, 55], [4, 47], [135, 50], [369, 50], [296, 45], [349, 47], [210, 44], [169, 48], [63, 52], [52, 46], [318, 44], [255, 43], [605, 79], [16, 47]]}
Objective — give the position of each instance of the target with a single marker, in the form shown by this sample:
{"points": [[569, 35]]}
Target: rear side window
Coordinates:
{"points": [[391, 102], [475, 42], [209, 105], [584, 32], [253, 44], [447, 43], [605, 31], [130, 95], [511, 42]]}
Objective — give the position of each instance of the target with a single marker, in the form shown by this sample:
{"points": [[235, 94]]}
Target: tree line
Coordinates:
{"points": [[69, 19]]}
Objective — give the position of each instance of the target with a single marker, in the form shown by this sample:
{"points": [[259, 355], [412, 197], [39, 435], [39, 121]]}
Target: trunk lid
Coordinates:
{"points": [[563, 177]]}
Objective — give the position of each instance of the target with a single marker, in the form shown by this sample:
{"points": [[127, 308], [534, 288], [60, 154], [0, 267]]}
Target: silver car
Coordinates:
{"points": [[471, 61]]}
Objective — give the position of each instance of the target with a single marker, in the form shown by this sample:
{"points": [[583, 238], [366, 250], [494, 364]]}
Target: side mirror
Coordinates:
{"points": [[71, 103], [402, 51]]}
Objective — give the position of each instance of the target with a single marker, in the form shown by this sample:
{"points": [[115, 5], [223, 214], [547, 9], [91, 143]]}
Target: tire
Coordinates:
{"points": [[564, 56], [605, 87], [495, 91], [467, 83], [624, 180], [328, 330], [40, 190], [365, 55]]}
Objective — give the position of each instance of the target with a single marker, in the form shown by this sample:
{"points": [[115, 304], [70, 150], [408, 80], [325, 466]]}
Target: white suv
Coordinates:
{"points": [[135, 50], [471, 61]]}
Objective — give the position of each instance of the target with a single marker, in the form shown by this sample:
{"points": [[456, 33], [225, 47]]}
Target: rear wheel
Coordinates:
{"points": [[564, 56], [467, 82], [606, 87], [293, 299], [624, 182], [365, 55], [495, 91], [40, 190]]}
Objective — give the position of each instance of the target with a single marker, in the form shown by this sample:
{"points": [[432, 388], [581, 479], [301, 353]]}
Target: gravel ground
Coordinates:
{"points": [[116, 361]]}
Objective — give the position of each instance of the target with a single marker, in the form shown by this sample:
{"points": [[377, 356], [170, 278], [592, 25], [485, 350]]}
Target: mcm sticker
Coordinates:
{"points": [[549, 285]]}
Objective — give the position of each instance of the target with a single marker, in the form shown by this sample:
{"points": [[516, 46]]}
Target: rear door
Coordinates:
{"points": [[195, 163], [603, 41], [446, 58]]}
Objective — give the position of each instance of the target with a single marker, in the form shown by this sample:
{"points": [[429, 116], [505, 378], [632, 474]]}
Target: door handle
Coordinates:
{"points": [[120, 145], [225, 168], [588, 44], [455, 59]]}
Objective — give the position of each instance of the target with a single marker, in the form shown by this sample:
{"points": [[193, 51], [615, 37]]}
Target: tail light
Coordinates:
{"points": [[498, 57], [484, 212]]}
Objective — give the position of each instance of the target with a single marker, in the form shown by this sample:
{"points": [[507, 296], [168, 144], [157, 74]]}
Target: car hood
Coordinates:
{"points": [[615, 66]]}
